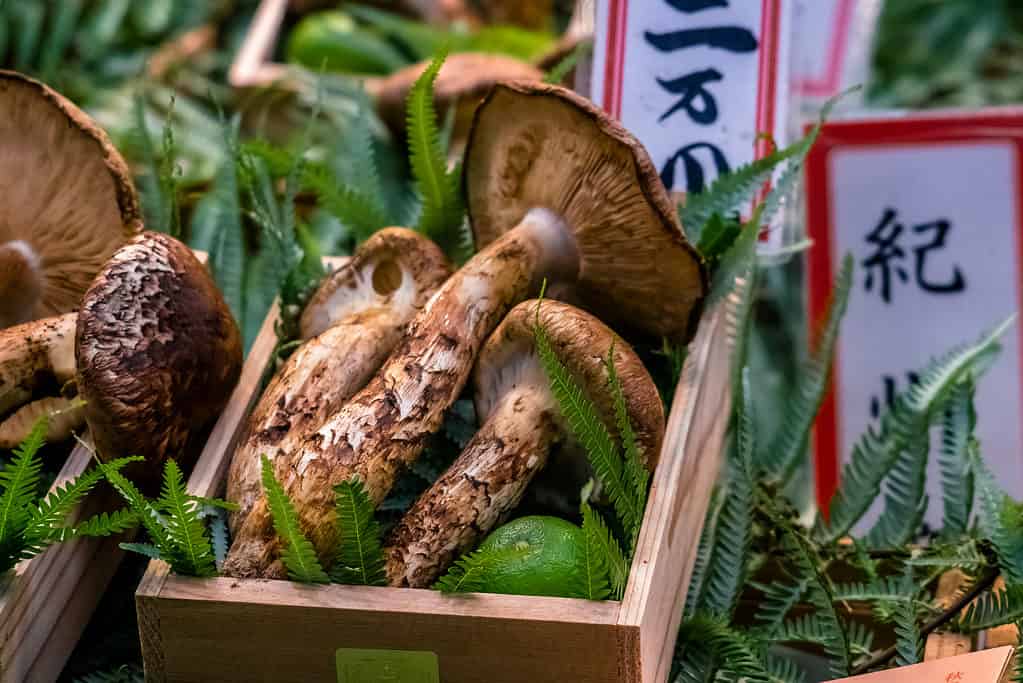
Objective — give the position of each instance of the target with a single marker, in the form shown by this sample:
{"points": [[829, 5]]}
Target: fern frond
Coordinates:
{"points": [[737, 656], [783, 670], [703, 553], [18, 483], [359, 559], [471, 573], [943, 557], [442, 208], [586, 425], [860, 639], [788, 447], [298, 554], [995, 608], [147, 549], [886, 588], [103, 524], [907, 422], [362, 214], [957, 440], [726, 572], [605, 561], [694, 664], [637, 476], [905, 499], [185, 529], [804, 628], [560, 71], [779, 599], [908, 643], [219, 537], [1001, 521]]}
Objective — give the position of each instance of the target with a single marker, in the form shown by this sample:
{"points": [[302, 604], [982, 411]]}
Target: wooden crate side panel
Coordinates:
{"points": [[210, 630], [680, 495]]}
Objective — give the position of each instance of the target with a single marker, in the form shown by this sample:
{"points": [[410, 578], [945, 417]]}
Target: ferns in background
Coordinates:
{"points": [[30, 523]]}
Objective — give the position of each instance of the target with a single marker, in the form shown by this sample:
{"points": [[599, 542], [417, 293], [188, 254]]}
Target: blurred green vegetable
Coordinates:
{"points": [[333, 41]]}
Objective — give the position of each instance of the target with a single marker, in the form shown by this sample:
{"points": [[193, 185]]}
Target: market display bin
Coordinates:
{"points": [[225, 629], [47, 601]]}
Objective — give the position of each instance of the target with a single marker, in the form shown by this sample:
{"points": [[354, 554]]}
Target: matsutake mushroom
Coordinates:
{"points": [[521, 426], [156, 349], [36, 359], [355, 319], [68, 201], [555, 190]]}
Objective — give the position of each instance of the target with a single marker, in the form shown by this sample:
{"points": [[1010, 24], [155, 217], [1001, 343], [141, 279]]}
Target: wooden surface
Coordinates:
{"points": [[225, 629]]}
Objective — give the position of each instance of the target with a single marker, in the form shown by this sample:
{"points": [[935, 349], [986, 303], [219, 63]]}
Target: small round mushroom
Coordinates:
{"points": [[555, 190], [521, 426], [353, 321], [68, 201], [463, 80], [157, 351]]}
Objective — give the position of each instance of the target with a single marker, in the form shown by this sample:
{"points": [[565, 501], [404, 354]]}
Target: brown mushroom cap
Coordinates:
{"points": [[582, 342], [68, 200], [534, 145], [157, 349], [464, 79]]}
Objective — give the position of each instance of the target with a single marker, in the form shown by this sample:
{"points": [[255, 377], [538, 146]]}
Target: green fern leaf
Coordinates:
{"points": [[443, 210], [471, 573], [726, 572], [637, 476], [151, 518], [586, 425], [360, 213], [559, 71], [905, 499], [957, 442], [694, 664], [219, 537], [738, 261], [103, 524], [606, 567], [908, 643], [779, 599], [360, 558], [803, 628], [19, 481], [907, 422], [147, 549], [193, 554], [1001, 521], [1017, 668], [738, 657], [227, 249], [298, 554], [702, 561], [860, 639], [782, 670], [995, 608], [787, 449]]}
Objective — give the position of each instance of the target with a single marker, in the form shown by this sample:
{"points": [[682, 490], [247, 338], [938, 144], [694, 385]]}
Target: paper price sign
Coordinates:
{"points": [[930, 209], [694, 80]]}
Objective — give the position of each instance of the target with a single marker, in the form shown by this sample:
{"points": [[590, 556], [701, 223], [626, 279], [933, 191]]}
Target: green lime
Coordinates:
{"points": [[334, 41], [553, 551]]}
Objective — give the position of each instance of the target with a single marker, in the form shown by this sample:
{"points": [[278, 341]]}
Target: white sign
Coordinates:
{"points": [[695, 80], [929, 207]]}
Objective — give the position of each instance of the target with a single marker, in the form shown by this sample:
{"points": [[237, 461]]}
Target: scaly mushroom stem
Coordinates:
{"points": [[30, 351], [484, 484], [385, 426], [21, 282], [65, 416]]}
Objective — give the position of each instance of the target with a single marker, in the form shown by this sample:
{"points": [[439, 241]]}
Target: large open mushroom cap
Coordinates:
{"points": [[582, 343], [534, 145], [157, 349], [464, 78], [68, 200]]}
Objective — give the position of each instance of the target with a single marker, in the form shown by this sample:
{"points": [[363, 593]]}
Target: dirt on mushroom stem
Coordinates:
{"points": [[483, 485], [385, 426]]}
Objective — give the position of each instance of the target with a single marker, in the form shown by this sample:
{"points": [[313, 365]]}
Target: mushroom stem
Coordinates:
{"points": [[21, 282], [65, 416], [481, 487], [30, 351], [384, 427]]}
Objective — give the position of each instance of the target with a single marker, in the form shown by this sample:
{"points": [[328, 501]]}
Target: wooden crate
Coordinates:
{"points": [[47, 601], [224, 629]]}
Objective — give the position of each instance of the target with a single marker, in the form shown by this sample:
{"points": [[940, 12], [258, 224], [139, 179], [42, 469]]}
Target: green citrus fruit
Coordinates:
{"points": [[332, 40], [553, 551]]}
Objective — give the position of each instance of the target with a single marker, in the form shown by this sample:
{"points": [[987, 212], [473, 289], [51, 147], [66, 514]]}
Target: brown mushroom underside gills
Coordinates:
{"points": [[65, 211], [157, 351], [521, 424], [358, 316], [555, 189]]}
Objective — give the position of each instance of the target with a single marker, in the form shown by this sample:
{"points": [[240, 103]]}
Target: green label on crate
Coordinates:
{"points": [[386, 666]]}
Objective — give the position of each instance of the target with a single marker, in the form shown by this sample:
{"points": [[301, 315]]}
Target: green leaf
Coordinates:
{"points": [[905, 423], [606, 571], [560, 70], [360, 558], [103, 524], [779, 599], [736, 653], [471, 573], [227, 247], [905, 498], [146, 511], [995, 608], [298, 554], [637, 477], [586, 425], [703, 553], [1001, 521], [58, 37], [18, 483], [787, 449], [443, 211], [359, 212], [908, 643], [147, 549], [957, 442], [186, 532]]}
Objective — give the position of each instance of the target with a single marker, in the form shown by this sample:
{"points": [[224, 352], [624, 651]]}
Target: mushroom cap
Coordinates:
{"points": [[582, 342], [67, 193], [157, 349], [534, 145], [465, 78], [394, 267]]}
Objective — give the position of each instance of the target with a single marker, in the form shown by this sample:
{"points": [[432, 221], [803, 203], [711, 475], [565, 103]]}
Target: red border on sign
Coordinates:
{"points": [[992, 125], [767, 65], [829, 83]]}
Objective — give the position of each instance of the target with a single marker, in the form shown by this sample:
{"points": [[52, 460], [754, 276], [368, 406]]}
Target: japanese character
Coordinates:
{"points": [[694, 170], [887, 252], [956, 283], [890, 393], [692, 88], [731, 38], [690, 6]]}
